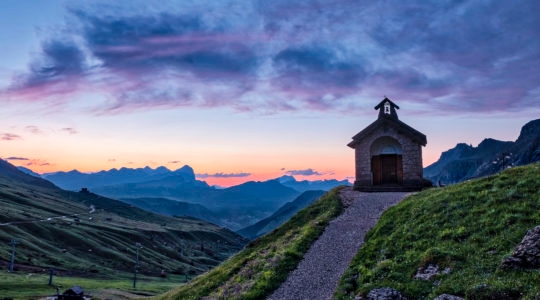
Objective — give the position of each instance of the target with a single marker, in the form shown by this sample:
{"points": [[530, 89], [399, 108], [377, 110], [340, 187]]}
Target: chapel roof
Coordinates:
{"points": [[389, 118]]}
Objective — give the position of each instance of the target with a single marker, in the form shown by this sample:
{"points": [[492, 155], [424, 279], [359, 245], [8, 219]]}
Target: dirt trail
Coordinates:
{"points": [[317, 275]]}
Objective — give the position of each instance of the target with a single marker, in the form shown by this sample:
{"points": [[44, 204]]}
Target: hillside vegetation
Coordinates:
{"points": [[466, 228], [83, 234], [265, 263]]}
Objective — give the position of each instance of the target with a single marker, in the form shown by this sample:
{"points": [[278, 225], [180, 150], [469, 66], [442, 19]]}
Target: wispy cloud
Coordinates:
{"points": [[306, 172], [274, 56], [33, 129], [9, 137], [222, 175], [16, 158], [28, 162], [70, 130]]}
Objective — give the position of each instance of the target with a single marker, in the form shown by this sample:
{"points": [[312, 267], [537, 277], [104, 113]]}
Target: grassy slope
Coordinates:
{"points": [[260, 268], [106, 244], [468, 227]]}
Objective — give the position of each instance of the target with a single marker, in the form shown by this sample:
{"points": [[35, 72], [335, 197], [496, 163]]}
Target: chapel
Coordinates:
{"points": [[388, 153]]}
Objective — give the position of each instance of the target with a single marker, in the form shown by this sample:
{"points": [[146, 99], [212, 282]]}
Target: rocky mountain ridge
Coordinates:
{"points": [[75, 180], [491, 156]]}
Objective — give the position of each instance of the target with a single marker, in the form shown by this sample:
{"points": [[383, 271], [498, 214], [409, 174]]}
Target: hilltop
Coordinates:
{"points": [[455, 238]]}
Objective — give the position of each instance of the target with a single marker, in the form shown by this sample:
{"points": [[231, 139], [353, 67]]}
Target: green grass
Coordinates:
{"points": [[265, 263], [34, 286], [468, 228]]}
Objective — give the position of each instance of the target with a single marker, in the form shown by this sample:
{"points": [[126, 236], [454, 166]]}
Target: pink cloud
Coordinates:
{"points": [[70, 130], [9, 137]]}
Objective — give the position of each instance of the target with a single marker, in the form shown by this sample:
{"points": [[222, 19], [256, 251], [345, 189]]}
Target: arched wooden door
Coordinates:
{"points": [[386, 162]]}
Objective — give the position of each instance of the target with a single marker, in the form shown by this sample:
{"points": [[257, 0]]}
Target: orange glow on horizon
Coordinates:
{"points": [[345, 169]]}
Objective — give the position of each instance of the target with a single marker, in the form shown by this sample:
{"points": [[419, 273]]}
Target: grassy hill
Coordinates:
{"points": [[468, 228], [260, 268], [83, 234]]}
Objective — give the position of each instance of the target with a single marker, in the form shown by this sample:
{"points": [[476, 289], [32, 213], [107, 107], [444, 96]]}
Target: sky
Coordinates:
{"points": [[253, 90]]}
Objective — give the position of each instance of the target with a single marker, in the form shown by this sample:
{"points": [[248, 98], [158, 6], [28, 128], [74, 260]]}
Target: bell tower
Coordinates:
{"points": [[387, 109]]}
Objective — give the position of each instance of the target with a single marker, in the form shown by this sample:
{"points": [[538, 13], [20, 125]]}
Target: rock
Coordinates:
{"points": [[385, 293], [526, 255], [429, 272], [448, 297]]}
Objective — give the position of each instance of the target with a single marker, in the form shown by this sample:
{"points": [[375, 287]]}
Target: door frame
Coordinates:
{"points": [[377, 169]]}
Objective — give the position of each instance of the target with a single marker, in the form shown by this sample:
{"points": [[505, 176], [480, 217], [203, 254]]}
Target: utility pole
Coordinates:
{"points": [[51, 274], [138, 246], [12, 243]]}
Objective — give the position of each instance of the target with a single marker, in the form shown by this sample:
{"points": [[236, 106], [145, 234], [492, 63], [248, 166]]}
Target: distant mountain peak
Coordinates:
{"points": [[185, 168], [306, 185], [162, 168], [489, 157], [286, 178], [531, 129]]}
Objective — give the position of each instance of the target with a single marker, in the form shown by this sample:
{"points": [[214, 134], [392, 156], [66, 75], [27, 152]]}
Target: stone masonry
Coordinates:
{"points": [[408, 157]]}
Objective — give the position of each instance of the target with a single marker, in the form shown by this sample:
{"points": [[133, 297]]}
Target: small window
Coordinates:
{"points": [[387, 108]]}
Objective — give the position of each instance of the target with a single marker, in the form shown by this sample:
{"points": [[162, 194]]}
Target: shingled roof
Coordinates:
{"points": [[389, 119]]}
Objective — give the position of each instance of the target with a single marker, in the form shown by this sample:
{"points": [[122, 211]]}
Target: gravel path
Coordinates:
{"points": [[317, 275]]}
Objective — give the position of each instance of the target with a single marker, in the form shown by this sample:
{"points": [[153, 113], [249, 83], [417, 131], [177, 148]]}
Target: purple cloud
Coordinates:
{"points": [[36, 162], [306, 172], [9, 137], [222, 175], [288, 55], [56, 71]]}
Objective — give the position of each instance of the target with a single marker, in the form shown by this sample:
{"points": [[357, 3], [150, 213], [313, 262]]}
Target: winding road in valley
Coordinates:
{"points": [[317, 275]]}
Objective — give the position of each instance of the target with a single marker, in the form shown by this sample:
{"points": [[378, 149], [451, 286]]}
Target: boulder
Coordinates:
{"points": [[429, 272], [526, 255]]}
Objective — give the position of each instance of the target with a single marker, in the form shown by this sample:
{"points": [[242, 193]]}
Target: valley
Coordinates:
{"points": [[81, 234]]}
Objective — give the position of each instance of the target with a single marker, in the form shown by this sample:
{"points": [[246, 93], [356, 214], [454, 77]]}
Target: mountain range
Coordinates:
{"points": [[179, 193], [491, 156]]}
